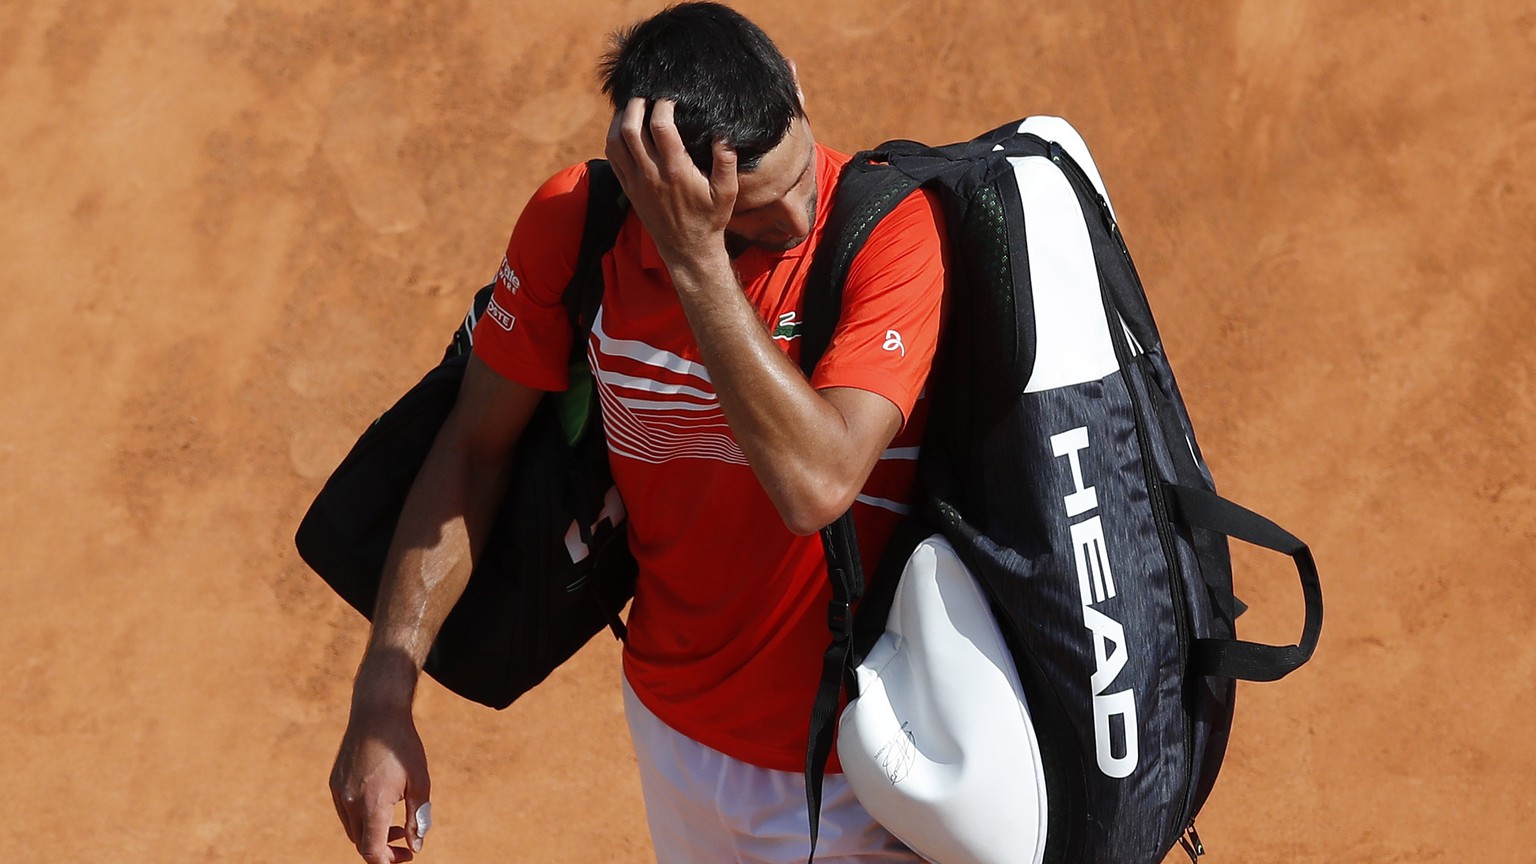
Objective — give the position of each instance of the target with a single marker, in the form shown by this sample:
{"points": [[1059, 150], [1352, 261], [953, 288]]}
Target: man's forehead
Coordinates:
{"points": [[779, 171]]}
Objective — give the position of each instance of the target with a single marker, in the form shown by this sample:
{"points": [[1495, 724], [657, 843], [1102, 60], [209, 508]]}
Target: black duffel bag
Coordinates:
{"points": [[556, 567]]}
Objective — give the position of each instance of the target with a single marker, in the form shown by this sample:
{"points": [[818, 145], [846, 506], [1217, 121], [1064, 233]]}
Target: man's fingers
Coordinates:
{"points": [[345, 817], [616, 150], [373, 832], [418, 821], [400, 853], [722, 177], [641, 155], [671, 156], [393, 854], [418, 806]]}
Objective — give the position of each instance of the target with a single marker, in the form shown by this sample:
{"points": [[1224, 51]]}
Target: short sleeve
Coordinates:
{"points": [[892, 305], [525, 334]]}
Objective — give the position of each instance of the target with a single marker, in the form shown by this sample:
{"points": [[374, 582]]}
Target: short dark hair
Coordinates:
{"points": [[728, 79]]}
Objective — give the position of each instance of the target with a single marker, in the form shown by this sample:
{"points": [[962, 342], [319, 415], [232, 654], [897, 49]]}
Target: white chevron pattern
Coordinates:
{"points": [[658, 406]]}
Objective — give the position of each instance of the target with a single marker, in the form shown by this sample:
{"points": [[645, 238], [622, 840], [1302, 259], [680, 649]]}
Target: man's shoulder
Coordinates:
{"points": [[917, 220], [555, 214], [907, 241], [919, 212], [569, 185]]}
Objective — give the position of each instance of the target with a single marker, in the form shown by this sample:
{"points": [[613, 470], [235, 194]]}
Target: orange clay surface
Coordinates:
{"points": [[233, 231]]}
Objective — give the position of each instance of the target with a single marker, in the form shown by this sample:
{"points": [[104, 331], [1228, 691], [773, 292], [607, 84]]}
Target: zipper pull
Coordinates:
{"points": [[1190, 841]]}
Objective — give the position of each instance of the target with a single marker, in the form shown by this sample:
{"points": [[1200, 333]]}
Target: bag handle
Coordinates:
{"points": [[1234, 658]]}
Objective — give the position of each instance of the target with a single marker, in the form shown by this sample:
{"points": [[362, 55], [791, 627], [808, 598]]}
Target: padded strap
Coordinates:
{"points": [[846, 573], [1233, 658], [606, 209], [865, 194]]}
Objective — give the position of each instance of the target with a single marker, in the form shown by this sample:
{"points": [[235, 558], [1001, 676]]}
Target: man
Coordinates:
{"points": [[728, 459]]}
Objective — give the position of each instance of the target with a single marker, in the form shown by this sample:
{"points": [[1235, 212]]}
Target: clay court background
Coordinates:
{"points": [[233, 231]]}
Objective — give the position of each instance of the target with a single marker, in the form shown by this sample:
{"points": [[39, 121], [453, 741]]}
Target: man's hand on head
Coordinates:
{"points": [[684, 211]]}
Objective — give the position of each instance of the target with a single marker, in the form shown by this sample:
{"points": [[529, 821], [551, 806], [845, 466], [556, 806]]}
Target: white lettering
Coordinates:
{"points": [[1107, 708], [1108, 647], [613, 511], [1093, 575], [1096, 584], [501, 316], [1070, 444], [508, 278]]}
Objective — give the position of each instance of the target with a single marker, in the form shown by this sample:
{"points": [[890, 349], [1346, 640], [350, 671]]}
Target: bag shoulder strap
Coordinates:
{"points": [[606, 209], [866, 193]]}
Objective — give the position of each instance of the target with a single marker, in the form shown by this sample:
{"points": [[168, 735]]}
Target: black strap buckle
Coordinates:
{"points": [[840, 618]]}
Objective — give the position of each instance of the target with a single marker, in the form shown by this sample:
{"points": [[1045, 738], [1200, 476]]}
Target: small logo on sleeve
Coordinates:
{"points": [[893, 342], [501, 316], [508, 279]]}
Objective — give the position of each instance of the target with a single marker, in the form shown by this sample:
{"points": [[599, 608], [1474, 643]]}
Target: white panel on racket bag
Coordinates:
{"points": [[1056, 129], [1072, 342], [939, 746]]}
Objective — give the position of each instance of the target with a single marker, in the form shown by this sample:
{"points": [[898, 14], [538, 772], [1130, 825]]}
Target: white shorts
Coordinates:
{"points": [[705, 807]]}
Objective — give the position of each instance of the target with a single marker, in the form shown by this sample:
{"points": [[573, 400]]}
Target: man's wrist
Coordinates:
{"points": [[386, 679], [701, 270]]}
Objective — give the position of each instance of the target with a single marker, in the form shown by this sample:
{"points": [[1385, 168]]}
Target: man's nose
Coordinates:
{"points": [[792, 220]]}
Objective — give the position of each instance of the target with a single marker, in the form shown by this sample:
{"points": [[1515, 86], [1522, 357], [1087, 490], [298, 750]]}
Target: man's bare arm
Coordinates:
{"points": [[811, 450], [447, 516], [443, 526]]}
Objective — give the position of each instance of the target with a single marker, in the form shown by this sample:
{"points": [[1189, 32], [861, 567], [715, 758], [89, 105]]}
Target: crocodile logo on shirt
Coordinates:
{"points": [[789, 326]]}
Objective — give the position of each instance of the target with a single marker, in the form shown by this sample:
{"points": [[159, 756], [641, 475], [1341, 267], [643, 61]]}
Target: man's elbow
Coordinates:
{"points": [[814, 507]]}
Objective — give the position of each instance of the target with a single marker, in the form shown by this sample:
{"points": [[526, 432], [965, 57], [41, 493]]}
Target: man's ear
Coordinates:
{"points": [[795, 74]]}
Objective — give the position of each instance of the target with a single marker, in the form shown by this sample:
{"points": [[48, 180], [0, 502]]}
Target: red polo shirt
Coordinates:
{"points": [[728, 624]]}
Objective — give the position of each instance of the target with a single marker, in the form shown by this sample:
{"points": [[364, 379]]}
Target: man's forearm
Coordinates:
{"points": [[442, 526], [800, 444]]}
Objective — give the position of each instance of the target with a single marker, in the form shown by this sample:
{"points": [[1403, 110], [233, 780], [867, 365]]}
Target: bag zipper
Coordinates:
{"points": [[1160, 516]]}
